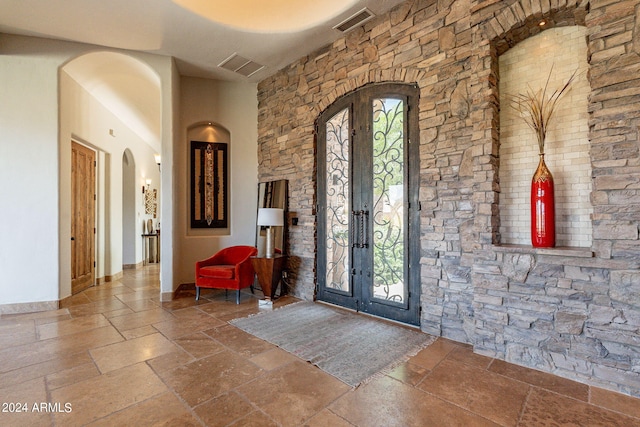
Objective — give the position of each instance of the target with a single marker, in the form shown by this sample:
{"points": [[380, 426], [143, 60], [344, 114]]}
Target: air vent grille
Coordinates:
{"points": [[241, 65], [355, 20]]}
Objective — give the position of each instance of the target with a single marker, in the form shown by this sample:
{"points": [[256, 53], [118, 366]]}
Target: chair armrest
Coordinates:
{"points": [[244, 269], [246, 259]]}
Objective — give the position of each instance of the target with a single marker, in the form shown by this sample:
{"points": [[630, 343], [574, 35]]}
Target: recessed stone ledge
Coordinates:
{"points": [[565, 251]]}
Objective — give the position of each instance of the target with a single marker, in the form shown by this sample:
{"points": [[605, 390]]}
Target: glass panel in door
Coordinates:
{"points": [[388, 214], [337, 202]]}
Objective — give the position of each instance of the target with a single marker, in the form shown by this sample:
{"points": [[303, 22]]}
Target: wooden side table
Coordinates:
{"points": [[269, 272]]}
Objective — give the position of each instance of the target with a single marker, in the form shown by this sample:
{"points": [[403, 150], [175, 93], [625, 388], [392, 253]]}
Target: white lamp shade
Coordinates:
{"points": [[271, 217]]}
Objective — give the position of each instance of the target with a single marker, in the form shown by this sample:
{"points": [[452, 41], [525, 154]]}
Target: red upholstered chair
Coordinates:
{"points": [[230, 268]]}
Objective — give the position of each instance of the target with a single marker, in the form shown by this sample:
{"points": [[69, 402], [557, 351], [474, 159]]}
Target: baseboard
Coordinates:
{"points": [[184, 288], [132, 266], [166, 296], [114, 277], [117, 276], [64, 301], [28, 307]]}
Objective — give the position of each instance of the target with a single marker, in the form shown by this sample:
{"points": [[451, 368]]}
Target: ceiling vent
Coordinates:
{"points": [[355, 20], [241, 65]]}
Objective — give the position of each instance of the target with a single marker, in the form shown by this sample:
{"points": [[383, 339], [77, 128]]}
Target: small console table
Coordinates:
{"points": [[151, 256], [269, 272]]}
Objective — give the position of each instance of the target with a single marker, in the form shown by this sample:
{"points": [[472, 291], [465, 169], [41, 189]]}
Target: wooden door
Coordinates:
{"points": [[83, 183]]}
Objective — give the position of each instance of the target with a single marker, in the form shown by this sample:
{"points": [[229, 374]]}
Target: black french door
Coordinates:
{"points": [[368, 219]]}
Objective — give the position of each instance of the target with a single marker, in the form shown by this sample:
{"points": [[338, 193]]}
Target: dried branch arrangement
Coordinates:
{"points": [[536, 108]]}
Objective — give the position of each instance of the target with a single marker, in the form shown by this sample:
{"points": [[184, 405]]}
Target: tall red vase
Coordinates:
{"points": [[543, 215]]}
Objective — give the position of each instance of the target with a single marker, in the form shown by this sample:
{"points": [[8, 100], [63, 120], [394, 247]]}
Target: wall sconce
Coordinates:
{"points": [[157, 157], [146, 187]]}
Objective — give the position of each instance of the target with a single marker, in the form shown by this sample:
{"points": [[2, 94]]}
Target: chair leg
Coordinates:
{"points": [[226, 294], [238, 297], [197, 293], [252, 289]]}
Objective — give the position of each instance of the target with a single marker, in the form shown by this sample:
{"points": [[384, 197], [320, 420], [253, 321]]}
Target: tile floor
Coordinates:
{"points": [[117, 356]]}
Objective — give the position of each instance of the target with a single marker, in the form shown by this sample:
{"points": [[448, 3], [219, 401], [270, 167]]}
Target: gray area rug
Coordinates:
{"points": [[351, 347]]}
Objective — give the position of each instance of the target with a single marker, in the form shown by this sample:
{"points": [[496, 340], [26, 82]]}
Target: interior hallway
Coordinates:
{"points": [[115, 355]]}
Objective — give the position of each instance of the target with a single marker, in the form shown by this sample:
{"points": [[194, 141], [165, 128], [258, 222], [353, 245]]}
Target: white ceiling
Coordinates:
{"points": [[199, 34]]}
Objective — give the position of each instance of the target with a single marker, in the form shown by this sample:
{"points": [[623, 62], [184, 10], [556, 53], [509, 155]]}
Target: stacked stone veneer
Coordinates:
{"points": [[575, 313]]}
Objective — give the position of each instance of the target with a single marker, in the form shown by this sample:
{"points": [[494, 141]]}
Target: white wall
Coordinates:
{"points": [[34, 184], [168, 239], [233, 106], [28, 172]]}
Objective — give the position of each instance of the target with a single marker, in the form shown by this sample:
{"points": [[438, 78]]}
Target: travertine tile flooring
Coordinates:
{"points": [[117, 356]]}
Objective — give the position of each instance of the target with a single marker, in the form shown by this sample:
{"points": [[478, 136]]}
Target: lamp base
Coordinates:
{"points": [[269, 251]]}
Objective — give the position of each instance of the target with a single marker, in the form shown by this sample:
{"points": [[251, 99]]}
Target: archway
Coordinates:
{"points": [[111, 102]]}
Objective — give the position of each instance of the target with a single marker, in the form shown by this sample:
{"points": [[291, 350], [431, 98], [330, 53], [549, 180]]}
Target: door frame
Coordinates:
{"points": [[359, 296]]}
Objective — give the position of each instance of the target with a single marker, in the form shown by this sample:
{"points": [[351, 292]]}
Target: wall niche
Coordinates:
{"points": [[208, 145], [553, 54]]}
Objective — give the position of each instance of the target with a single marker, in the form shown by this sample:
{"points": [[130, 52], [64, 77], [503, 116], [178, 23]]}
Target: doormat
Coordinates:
{"points": [[351, 347]]}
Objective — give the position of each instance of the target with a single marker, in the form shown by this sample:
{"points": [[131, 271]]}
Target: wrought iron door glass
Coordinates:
{"points": [[337, 201], [388, 200]]}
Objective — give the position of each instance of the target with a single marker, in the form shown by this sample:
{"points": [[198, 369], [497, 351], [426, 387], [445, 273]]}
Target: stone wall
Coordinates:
{"points": [[576, 312]]}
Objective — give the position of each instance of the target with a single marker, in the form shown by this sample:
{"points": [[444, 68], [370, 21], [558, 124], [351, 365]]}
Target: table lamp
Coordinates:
{"points": [[270, 217]]}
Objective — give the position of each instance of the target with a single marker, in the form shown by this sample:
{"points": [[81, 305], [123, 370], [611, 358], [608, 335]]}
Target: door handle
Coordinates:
{"points": [[364, 228], [355, 235], [359, 231], [73, 238]]}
